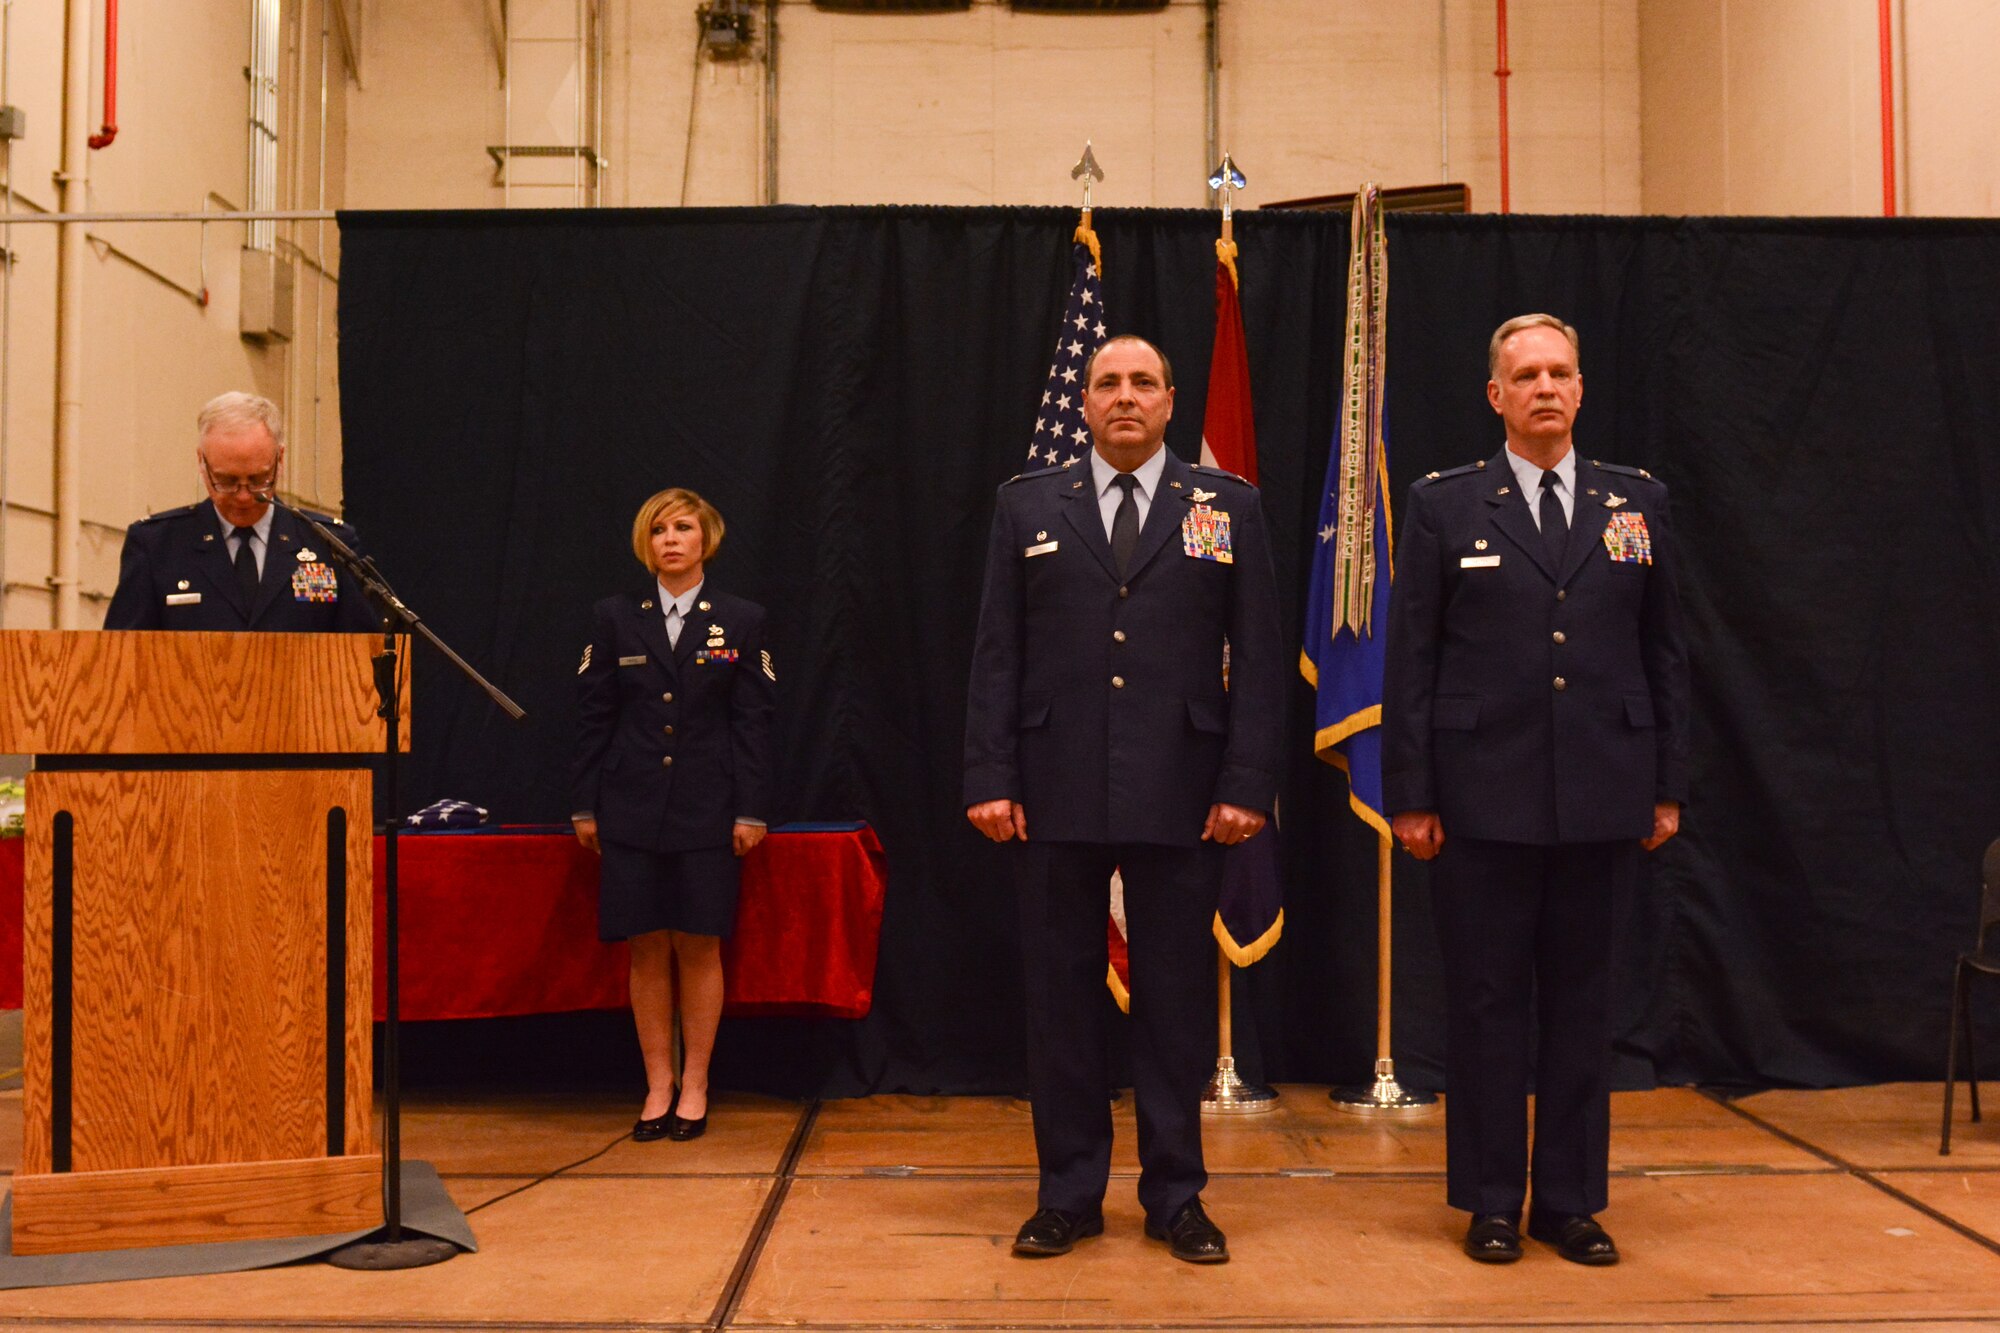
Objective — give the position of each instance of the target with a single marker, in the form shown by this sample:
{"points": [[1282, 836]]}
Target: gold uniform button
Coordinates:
{"points": [[1562, 594], [667, 762], [1561, 684], [668, 730], [666, 698], [1558, 636], [1118, 636], [1118, 682], [1124, 592]]}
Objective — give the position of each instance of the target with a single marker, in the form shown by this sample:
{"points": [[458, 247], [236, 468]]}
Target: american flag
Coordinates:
{"points": [[1060, 435]]}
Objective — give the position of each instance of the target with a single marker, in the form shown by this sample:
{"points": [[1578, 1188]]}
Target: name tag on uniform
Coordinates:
{"points": [[1046, 548], [1479, 562], [640, 660], [183, 599]]}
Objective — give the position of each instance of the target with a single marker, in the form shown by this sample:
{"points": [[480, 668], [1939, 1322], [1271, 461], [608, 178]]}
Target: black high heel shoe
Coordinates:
{"points": [[660, 1126], [679, 1128]]}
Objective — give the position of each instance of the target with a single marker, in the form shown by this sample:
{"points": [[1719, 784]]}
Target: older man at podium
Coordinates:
{"points": [[235, 561]]}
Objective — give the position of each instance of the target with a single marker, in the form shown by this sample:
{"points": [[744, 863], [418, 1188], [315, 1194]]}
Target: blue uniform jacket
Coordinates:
{"points": [[1099, 703], [673, 741], [175, 573], [1524, 703]]}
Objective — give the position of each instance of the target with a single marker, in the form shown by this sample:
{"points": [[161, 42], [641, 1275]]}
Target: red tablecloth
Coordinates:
{"points": [[506, 923]]}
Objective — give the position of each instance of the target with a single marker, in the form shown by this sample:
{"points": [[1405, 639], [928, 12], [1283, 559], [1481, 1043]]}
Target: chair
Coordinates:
{"points": [[1985, 961]]}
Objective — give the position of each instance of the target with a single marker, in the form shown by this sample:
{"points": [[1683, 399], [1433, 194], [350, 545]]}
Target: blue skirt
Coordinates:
{"points": [[639, 890]]}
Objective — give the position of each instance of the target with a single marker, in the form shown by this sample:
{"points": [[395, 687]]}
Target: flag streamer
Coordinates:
{"points": [[1351, 571]]}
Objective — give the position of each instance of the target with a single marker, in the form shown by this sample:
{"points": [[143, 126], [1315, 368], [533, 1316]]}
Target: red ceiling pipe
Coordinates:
{"points": [[1501, 75], [1888, 110], [103, 138]]}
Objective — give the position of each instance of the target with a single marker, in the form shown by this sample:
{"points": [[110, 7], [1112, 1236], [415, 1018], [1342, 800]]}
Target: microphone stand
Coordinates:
{"points": [[390, 1247]]}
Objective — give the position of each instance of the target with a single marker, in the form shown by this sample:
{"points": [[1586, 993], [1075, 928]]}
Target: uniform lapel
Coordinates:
{"points": [[650, 623], [1164, 515], [211, 558], [1511, 516], [1587, 521], [1081, 511]]}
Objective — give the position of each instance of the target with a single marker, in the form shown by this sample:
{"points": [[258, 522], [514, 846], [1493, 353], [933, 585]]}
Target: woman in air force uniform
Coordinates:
{"points": [[670, 785]]}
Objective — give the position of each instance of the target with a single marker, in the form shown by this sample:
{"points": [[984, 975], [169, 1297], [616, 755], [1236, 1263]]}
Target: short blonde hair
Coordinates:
{"points": [[674, 500], [238, 409], [1519, 322]]}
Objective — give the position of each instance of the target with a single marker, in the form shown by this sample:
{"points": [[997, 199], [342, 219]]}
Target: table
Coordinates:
{"points": [[504, 922]]}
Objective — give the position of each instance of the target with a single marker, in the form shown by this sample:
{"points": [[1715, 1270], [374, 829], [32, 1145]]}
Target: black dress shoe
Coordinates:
{"points": [[659, 1127], [1493, 1238], [680, 1129], [1576, 1237], [1053, 1231], [1192, 1236]]}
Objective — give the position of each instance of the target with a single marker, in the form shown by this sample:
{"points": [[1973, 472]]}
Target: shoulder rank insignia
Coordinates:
{"points": [[764, 654], [1452, 472], [1201, 496], [584, 665]]}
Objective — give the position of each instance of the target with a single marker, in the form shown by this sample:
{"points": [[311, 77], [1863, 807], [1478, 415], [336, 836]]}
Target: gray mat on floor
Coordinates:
{"points": [[427, 1210]]}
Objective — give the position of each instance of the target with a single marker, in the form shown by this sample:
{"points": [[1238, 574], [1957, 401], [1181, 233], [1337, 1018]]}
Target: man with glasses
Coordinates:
{"points": [[235, 561]]}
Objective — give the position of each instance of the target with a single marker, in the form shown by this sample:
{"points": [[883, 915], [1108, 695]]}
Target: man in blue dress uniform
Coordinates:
{"points": [[1101, 735], [235, 561], [1535, 739]]}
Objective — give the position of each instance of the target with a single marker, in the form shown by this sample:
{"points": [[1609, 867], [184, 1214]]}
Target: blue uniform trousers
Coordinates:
{"points": [[1527, 929], [1170, 900]]}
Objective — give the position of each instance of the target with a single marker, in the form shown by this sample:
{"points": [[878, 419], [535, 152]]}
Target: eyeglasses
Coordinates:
{"points": [[227, 485]]}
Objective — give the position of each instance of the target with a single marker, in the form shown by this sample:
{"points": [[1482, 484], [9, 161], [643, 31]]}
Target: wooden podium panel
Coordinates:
{"points": [[197, 936], [165, 692]]}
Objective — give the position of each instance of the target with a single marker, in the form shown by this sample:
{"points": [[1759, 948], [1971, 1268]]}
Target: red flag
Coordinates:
{"points": [[1228, 437]]}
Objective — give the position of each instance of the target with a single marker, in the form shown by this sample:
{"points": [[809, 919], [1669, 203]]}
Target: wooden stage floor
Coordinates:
{"points": [[1783, 1210]]}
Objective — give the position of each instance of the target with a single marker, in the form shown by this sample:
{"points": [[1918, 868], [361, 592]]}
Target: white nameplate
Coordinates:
{"points": [[1479, 562], [1045, 548], [183, 599]]}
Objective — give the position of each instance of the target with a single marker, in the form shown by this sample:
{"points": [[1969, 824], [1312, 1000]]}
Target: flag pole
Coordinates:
{"points": [[1385, 1096], [1363, 494], [1227, 1093]]}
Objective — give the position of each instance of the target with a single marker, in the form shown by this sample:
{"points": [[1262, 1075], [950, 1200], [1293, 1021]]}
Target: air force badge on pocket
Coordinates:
{"points": [[1205, 534], [1627, 540]]}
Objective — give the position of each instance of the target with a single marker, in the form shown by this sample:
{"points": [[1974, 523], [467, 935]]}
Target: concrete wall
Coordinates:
{"points": [[1774, 106], [992, 107], [153, 351]]}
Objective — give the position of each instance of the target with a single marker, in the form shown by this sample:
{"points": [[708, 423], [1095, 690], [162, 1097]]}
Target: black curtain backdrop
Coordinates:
{"points": [[849, 386]]}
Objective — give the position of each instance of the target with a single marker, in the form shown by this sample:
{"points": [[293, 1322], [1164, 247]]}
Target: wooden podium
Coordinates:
{"points": [[197, 936]]}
